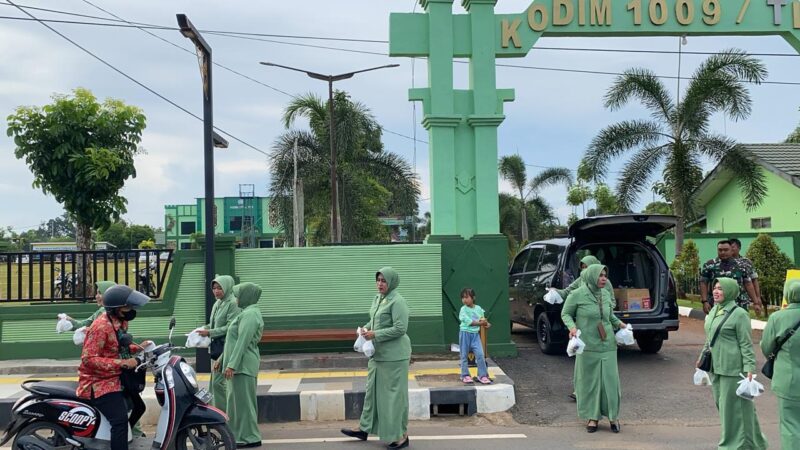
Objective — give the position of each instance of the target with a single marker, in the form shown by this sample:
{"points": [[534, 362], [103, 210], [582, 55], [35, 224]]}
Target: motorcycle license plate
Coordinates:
{"points": [[203, 395]]}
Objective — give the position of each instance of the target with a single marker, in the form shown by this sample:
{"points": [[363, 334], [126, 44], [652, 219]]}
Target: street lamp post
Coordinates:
{"points": [[210, 140], [336, 230]]}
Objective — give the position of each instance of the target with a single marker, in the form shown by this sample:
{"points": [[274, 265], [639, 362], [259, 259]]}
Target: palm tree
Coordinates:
{"points": [[677, 135], [512, 169], [371, 182]]}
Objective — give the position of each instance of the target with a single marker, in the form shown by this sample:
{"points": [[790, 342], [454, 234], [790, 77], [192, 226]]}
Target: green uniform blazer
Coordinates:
{"points": [[85, 323], [241, 343], [582, 311], [732, 353], [389, 320], [786, 381]]}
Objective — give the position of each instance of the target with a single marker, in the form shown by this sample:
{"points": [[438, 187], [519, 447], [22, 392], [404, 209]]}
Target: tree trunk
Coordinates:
{"points": [[83, 282], [524, 228], [679, 228]]}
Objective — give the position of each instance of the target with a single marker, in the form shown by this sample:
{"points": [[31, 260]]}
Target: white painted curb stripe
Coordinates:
{"points": [[754, 324]]}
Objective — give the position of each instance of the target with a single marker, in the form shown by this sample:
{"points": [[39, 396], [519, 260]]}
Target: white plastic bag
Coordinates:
{"points": [[63, 324], [749, 389], [358, 345], [575, 345], [194, 340], [553, 298], [625, 336], [79, 336], [701, 378], [369, 349]]}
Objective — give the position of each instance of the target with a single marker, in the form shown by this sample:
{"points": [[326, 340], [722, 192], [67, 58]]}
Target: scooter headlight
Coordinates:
{"points": [[189, 373], [169, 377]]}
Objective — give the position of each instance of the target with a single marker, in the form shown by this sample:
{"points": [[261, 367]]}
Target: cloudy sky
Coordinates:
{"points": [[554, 117]]}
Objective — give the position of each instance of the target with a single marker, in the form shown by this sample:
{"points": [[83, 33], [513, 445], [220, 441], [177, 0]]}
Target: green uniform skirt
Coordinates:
{"points": [[217, 388], [597, 385], [243, 409], [385, 410], [740, 429], [789, 414]]}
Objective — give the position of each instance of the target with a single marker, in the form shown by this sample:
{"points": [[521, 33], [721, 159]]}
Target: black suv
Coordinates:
{"points": [[619, 242]]}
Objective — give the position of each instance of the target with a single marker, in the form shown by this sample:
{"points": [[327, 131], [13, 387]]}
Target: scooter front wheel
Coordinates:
{"points": [[205, 437], [41, 435]]}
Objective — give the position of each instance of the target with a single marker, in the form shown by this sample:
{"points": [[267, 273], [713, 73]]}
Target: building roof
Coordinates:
{"points": [[782, 160]]}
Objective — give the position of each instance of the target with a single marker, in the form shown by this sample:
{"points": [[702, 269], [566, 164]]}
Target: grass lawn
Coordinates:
{"points": [[112, 274]]}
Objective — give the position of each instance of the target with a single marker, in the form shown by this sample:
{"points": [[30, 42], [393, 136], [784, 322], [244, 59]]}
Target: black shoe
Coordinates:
{"points": [[591, 428], [573, 397], [362, 435], [403, 444], [615, 427], [249, 445]]}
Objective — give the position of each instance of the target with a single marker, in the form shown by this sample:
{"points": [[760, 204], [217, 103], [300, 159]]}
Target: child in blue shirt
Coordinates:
{"points": [[472, 319]]}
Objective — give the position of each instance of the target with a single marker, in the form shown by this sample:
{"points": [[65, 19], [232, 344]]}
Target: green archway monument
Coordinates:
{"points": [[462, 123]]}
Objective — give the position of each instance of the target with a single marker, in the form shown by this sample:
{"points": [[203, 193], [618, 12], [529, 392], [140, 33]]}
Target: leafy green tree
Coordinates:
{"points": [[794, 138], [371, 182], [677, 136], [686, 269], [578, 195], [81, 152], [605, 200], [572, 219], [658, 208], [771, 265], [126, 236], [147, 244], [512, 169]]}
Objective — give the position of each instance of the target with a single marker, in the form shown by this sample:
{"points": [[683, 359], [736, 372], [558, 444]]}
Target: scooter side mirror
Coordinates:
{"points": [[172, 323]]}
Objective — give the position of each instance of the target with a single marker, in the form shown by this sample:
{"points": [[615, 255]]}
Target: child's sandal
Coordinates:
{"points": [[467, 380], [485, 380]]}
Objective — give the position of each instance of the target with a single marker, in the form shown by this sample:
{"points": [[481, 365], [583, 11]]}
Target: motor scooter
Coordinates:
{"points": [[51, 417]]}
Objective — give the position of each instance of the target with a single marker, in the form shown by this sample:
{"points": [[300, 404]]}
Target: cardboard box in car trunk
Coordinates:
{"points": [[633, 299]]}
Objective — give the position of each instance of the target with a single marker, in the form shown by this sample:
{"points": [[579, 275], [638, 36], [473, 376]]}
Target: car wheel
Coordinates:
{"points": [[544, 335], [650, 343]]}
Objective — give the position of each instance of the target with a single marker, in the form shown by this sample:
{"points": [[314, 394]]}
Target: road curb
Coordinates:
{"points": [[700, 315], [309, 406]]}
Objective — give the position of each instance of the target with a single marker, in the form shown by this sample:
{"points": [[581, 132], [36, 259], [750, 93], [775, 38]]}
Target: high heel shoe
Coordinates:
{"points": [[615, 427], [395, 445], [591, 428]]}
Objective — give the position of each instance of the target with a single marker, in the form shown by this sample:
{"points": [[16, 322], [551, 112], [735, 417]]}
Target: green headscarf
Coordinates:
{"points": [[226, 282], [730, 289], [392, 278], [247, 293], [590, 260], [791, 291], [591, 274], [102, 286]]}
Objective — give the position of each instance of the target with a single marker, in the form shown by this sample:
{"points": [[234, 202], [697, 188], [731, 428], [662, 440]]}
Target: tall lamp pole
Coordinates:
{"points": [[210, 140], [336, 229]]}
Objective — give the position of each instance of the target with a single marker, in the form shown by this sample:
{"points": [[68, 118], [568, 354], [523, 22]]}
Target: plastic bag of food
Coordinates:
{"points": [[63, 324], [749, 389], [553, 297], [358, 345], [369, 349], [575, 345], [194, 340], [79, 336], [701, 378], [625, 336]]}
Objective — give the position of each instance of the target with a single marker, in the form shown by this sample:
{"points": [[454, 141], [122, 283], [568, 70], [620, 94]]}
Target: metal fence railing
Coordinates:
{"points": [[68, 276]]}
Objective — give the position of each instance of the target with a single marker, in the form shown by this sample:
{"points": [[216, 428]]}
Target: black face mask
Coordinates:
{"points": [[129, 315]]}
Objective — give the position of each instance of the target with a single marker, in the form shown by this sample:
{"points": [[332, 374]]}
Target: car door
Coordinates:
{"points": [[527, 287], [515, 275]]}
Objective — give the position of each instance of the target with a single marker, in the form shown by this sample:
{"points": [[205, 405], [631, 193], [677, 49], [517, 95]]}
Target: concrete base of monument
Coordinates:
{"points": [[318, 393]]}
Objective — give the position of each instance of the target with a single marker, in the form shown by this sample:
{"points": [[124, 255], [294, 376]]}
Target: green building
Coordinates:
{"points": [[245, 218], [721, 199], [725, 216]]}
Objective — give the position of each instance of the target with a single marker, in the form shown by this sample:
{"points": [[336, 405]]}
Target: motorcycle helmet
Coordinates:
{"points": [[120, 295]]}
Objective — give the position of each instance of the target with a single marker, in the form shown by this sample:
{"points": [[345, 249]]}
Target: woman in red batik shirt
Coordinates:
{"points": [[106, 352]]}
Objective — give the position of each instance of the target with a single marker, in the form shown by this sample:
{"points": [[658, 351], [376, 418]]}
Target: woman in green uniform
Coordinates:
{"points": [[590, 309], [99, 289], [241, 361], [222, 314], [385, 410], [731, 355], [786, 378]]}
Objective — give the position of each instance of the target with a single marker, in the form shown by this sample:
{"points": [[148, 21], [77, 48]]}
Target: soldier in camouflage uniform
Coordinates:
{"points": [[736, 248], [725, 265]]}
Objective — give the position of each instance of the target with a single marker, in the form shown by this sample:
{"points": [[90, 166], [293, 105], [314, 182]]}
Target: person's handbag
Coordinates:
{"points": [[705, 363], [769, 367], [216, 348], [133, 380], [600, 327]]}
